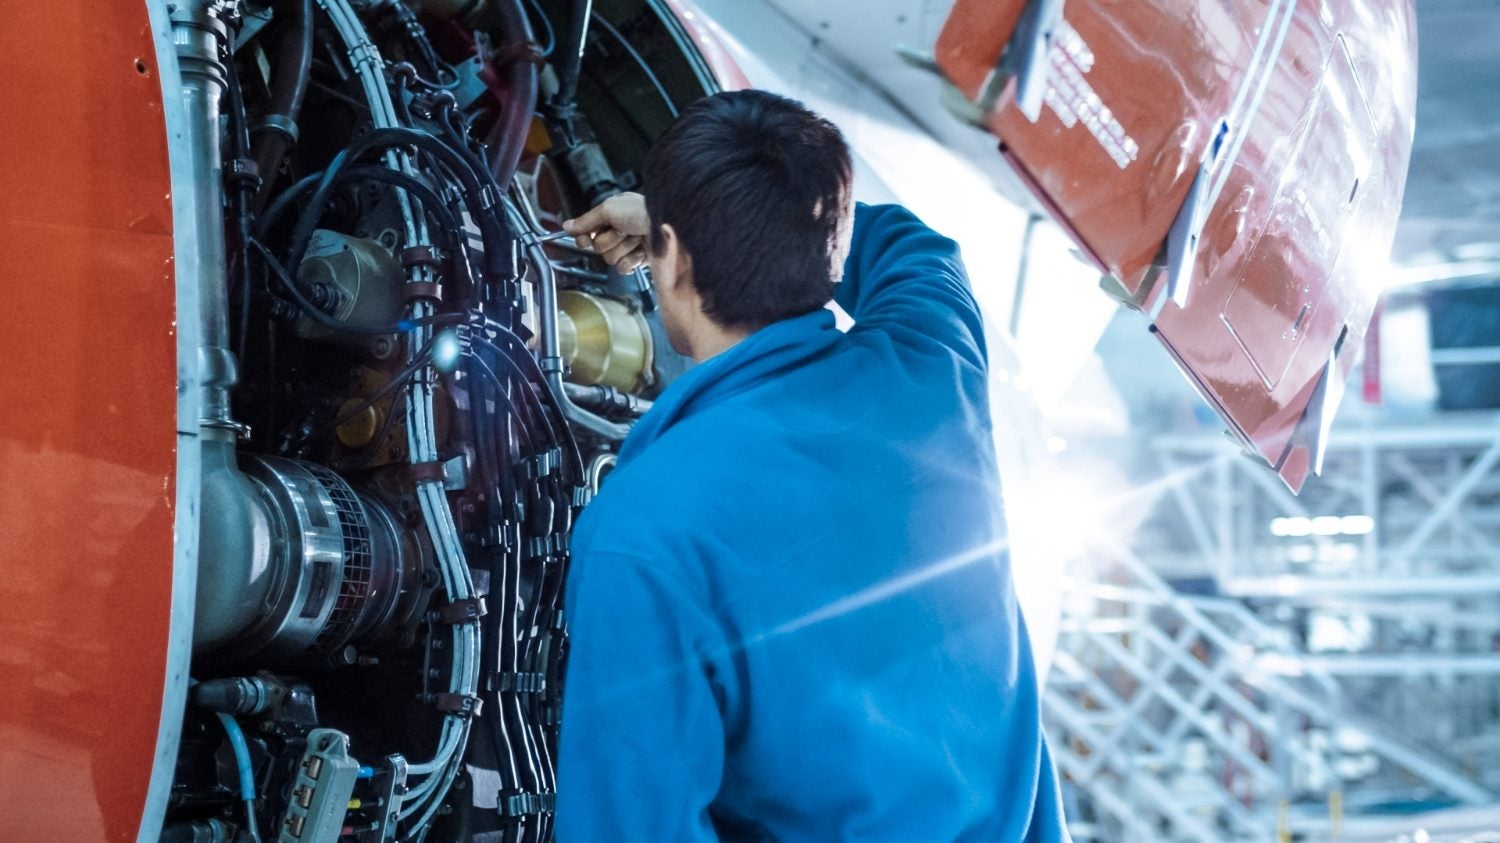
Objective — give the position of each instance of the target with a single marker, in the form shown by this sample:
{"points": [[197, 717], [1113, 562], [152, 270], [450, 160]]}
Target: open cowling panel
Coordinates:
{"points": [[1235, 170]]}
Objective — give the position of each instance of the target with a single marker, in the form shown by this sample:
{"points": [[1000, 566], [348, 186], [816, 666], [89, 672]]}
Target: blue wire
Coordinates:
{"points": [[242, 762], [241, 755], [546, 22]]}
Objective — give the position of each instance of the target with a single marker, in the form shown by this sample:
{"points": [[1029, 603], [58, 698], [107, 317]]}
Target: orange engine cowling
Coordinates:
{"points": [[89, 486], [1235, 170]]}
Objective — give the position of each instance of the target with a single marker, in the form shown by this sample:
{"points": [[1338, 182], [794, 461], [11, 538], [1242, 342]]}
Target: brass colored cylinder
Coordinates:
{"points": [[604, 341], [359, 430]]}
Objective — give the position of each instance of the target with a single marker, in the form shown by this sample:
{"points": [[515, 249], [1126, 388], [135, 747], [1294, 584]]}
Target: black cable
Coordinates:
{"points": [[481, 203], [639, 60], [505, 579], [417, 35], [242, 199], [512, 733], [457, 135], [510, 406], [561, 108], [432, 203], [530, 391], [536, 371]]}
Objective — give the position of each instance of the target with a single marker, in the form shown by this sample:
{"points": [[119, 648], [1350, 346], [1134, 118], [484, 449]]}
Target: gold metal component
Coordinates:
{"points": [[360, 430], [603, 341]]}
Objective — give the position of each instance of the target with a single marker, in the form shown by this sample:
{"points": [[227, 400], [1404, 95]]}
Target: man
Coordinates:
{"points": [[791, 608]]}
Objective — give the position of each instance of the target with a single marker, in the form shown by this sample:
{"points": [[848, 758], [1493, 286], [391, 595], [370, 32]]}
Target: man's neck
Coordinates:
{"points": [[712, 340]]}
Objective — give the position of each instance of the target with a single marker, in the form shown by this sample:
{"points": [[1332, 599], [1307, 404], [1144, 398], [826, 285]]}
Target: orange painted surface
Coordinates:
{"points": [[1319, 98], [87, 419]]}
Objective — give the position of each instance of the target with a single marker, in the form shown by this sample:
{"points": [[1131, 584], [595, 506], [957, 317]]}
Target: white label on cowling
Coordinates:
{"points": [[1072, 98]]}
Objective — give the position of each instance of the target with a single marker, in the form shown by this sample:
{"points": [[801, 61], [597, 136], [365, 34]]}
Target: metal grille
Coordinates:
{"points": [[354, 590]]}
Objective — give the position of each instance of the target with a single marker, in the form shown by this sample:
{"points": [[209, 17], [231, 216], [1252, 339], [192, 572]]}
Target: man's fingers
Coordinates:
{"points": [[607, 240], [622, 250], [632, 261], [587, 223]]}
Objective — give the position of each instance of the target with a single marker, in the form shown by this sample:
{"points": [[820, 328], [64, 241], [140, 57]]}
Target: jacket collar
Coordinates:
{"points": [[763, 354]]}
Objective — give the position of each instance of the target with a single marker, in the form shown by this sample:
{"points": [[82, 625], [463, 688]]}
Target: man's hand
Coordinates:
{"points": [[616, 230]]}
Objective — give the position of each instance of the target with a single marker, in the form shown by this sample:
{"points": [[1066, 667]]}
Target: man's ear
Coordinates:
{"points": [[676, 257]]}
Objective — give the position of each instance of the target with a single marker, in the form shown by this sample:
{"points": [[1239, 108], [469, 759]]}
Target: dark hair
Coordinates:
{"points": [[754, 184]]}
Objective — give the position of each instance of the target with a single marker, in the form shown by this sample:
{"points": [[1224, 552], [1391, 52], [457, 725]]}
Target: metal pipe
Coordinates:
{"points": [[517, 55], [599, 466], [552, 362], [571, 41], [277, 131], [233, 554], [600, 396], [200, 37]]}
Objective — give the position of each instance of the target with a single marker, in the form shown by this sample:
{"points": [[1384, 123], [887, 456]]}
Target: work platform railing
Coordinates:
{"points": [[1184, 717], [1340, 661]]}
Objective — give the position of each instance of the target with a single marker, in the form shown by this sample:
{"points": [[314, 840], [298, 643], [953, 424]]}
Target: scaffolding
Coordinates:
{"points": [[1259, 666]]}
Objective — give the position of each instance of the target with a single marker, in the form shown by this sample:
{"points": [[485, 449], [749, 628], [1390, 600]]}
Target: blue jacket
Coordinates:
{"points": [[791, 606]]}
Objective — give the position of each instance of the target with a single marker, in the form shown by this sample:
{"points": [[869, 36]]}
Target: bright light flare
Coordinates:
{"points": [[446, 350], [1300, 526]]}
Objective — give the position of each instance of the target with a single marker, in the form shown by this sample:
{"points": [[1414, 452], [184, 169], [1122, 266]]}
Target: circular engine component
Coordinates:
{"points": [[342, 571], [604, 341], [363, 278]]}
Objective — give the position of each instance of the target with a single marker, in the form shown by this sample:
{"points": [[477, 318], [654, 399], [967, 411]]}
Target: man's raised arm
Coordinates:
{"points": [[907, 280]]}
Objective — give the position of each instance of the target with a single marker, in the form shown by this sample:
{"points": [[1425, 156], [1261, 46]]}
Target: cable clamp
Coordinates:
{"points": [[545, 546], [518, 682], [540, 465], [427, 472], [581, 496], [421, 290], [361, 55], [463, 705], [505, 536], [281, 124], [520, 803], [242, 173], [453, 473], [421, 256], [460, 611]]}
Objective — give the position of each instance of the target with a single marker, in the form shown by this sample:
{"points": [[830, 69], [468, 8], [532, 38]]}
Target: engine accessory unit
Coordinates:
{"points": [[355, 280], [604, 341]]}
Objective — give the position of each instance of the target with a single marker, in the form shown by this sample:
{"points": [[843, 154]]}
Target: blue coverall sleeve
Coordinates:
{"points": [[909, 281], [642, 746]]}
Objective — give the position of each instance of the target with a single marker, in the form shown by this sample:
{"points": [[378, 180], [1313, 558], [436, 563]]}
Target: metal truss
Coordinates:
{"points": [[1341, 652], [1189, 718]]}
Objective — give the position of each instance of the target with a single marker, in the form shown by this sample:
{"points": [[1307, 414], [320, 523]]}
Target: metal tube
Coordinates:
{"points": [[200, 37], [233, 556], [277, 131], [552, 362]]}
